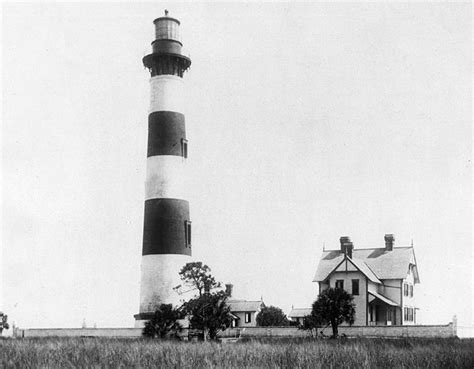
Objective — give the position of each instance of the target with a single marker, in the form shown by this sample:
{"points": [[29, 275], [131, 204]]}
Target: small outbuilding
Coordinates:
{"points": [[297, 315], [244, 311]]}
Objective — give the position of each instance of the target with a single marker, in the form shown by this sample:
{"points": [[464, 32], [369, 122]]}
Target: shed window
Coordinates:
{"points": [[248, 317], [355, 287]]}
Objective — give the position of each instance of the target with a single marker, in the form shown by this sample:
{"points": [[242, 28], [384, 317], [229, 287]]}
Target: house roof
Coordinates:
{"points": [[299, 312], [375, 262], [328, 262], [244, 305]]}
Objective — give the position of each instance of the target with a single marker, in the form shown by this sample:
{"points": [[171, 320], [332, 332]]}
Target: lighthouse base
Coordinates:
{"points": [[160, 281], [141, 319]]}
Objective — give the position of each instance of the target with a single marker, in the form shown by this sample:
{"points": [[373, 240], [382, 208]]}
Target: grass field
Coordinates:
{"points": [[137, 353]]}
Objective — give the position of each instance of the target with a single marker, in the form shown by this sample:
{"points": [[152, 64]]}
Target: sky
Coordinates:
{"points": [[306, 122]]}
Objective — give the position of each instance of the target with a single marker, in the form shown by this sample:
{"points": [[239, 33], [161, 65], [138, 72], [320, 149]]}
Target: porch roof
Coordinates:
{"points": [[235, 317], [383, 298]]}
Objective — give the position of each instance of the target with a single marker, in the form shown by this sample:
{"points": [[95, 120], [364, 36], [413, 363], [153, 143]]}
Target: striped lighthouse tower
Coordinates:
{"points": [[167, 225]]}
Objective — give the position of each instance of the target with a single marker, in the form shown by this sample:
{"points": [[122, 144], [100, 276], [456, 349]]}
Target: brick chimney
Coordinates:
{"points": [[346, 246], [349, 248], [389, 241], [228, 289]]}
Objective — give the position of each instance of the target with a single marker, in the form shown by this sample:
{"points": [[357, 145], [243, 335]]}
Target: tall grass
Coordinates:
{"points": [[139, 353]]}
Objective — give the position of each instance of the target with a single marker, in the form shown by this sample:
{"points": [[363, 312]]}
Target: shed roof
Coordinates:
{"points": [[244, 305], [299, 312]]}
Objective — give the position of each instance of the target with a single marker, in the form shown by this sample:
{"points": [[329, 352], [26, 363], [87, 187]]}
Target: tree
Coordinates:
{"points": [[311, 323], [3, 322], [164, 322], [334, 306], [197, 276], [209, 313], [271, 316]]}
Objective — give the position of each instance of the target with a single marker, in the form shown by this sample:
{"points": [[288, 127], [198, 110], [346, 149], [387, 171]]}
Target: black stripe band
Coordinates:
{"points": [[164, 230], [166, 130]]}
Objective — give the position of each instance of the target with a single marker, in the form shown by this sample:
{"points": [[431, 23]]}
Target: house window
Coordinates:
{"points": [[389, 315], [184, 148], [187, 233], [405, 313], [340, 284], [405, 289], [355, 287], [411, 290], [248, 317]]}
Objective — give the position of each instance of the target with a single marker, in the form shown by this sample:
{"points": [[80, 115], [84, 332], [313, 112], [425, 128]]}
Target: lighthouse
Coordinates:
{"points": [[167, 224]]}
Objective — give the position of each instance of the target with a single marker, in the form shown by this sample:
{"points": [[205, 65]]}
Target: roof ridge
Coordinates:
{"points": [[301, 308], [372, 248]]}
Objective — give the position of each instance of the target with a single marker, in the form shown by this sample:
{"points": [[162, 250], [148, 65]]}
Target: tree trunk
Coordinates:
{"points": [[334, 329]]}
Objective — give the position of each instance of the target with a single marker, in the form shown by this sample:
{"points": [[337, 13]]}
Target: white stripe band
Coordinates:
{"points": [[166, 94], [166, 177]]}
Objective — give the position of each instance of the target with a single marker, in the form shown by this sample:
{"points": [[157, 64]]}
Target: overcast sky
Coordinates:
{"points": [[306, 122]]}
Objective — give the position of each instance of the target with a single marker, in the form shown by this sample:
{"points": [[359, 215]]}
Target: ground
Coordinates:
{"points": [[294, 353]]}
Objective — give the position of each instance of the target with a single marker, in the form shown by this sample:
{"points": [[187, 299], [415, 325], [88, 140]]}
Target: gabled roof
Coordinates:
{"points": [[299, 312], [375, 262], [359, 264], [244, 305]]}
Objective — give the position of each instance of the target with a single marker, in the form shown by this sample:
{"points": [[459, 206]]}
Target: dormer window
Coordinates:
{"points": [[184, 148]]}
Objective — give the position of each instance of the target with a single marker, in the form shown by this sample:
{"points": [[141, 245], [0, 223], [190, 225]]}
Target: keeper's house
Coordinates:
{"points": [[381, 280]]}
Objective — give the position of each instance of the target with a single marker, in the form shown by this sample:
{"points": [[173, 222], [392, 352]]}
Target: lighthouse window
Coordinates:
{"points": [[184, 148], [187, 231]]}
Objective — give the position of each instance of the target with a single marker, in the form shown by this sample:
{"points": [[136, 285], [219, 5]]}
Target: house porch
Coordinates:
{"points": [[383, 311]]}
